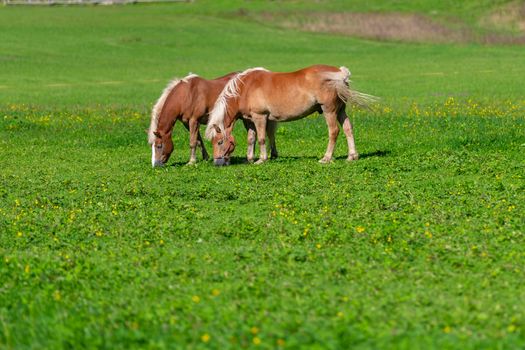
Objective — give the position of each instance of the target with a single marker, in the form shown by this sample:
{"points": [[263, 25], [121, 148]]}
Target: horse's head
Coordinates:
{"points": [[161, 149], [223, 146]]}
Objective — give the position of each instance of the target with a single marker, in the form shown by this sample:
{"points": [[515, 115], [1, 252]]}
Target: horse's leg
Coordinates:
{"points": [[260, 126], [343, 119], [200, 143], [333, 130], [250, 128], [271, 128], [194, 131]]}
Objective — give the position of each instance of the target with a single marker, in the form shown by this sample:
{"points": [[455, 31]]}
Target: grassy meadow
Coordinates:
{"points": [[417, 245]]}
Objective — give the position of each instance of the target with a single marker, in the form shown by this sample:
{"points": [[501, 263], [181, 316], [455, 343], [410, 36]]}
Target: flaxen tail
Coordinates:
{"points": [[340, 81]]}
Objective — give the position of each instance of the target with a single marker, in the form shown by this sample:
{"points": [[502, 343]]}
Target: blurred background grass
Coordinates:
{"points": [[124, 55]]}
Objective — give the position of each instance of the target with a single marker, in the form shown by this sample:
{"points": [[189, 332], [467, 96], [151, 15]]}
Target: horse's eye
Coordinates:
{"points": [[159, 146], [220, 142]]}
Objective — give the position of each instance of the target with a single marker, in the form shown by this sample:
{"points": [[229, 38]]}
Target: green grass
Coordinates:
{"points": [[418, 245]]}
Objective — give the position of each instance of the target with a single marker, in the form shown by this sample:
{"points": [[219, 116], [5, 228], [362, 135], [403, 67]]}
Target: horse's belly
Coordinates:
{"points": [[283, 106], [291, 115], [286, 118]]}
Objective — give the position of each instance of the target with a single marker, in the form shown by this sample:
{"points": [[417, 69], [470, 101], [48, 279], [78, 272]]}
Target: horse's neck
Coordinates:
{"points": [[232, 113], [167, 118]]}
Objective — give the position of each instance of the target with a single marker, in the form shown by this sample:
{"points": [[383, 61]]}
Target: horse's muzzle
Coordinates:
{"points": [[221, 161], [158, 163]]}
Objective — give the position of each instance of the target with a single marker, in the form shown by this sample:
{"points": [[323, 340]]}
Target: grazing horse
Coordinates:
{"points": [[188, 99], [265, 97]]}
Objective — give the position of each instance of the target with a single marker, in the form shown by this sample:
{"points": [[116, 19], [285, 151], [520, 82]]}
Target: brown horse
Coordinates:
{"points": [[189, 100], [263, 97]]}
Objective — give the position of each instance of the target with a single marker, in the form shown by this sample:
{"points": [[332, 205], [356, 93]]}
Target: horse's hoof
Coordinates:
{"points": [[259, 162], [352, 157], [325, 160], [191, 162]]}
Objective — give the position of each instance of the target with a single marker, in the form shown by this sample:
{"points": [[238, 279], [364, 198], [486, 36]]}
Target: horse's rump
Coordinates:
{"points": [[340, 81]]}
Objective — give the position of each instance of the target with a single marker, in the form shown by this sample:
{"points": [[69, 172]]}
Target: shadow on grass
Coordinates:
{"points": [[241, 160], [178, 164], [233, 161], [378, 153]]}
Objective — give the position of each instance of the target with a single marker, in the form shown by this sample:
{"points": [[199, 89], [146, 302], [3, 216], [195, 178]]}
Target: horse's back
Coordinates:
{"points": [[308, 72], [199, 96], [311, 74]]}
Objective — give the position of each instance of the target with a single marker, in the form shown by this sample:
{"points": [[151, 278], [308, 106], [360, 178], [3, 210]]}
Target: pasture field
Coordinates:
{"points": [[417, 245]]}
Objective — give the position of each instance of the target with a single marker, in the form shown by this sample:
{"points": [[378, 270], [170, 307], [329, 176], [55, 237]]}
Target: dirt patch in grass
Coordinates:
{"points": [[390, 27], [508, 17], [379, 26]]}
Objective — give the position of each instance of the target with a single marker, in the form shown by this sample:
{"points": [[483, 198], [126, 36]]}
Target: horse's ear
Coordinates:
{"points": [[156, 133]]}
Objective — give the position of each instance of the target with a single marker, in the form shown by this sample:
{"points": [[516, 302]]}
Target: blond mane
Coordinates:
{"points": [[157, 109], [218, 112]]}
